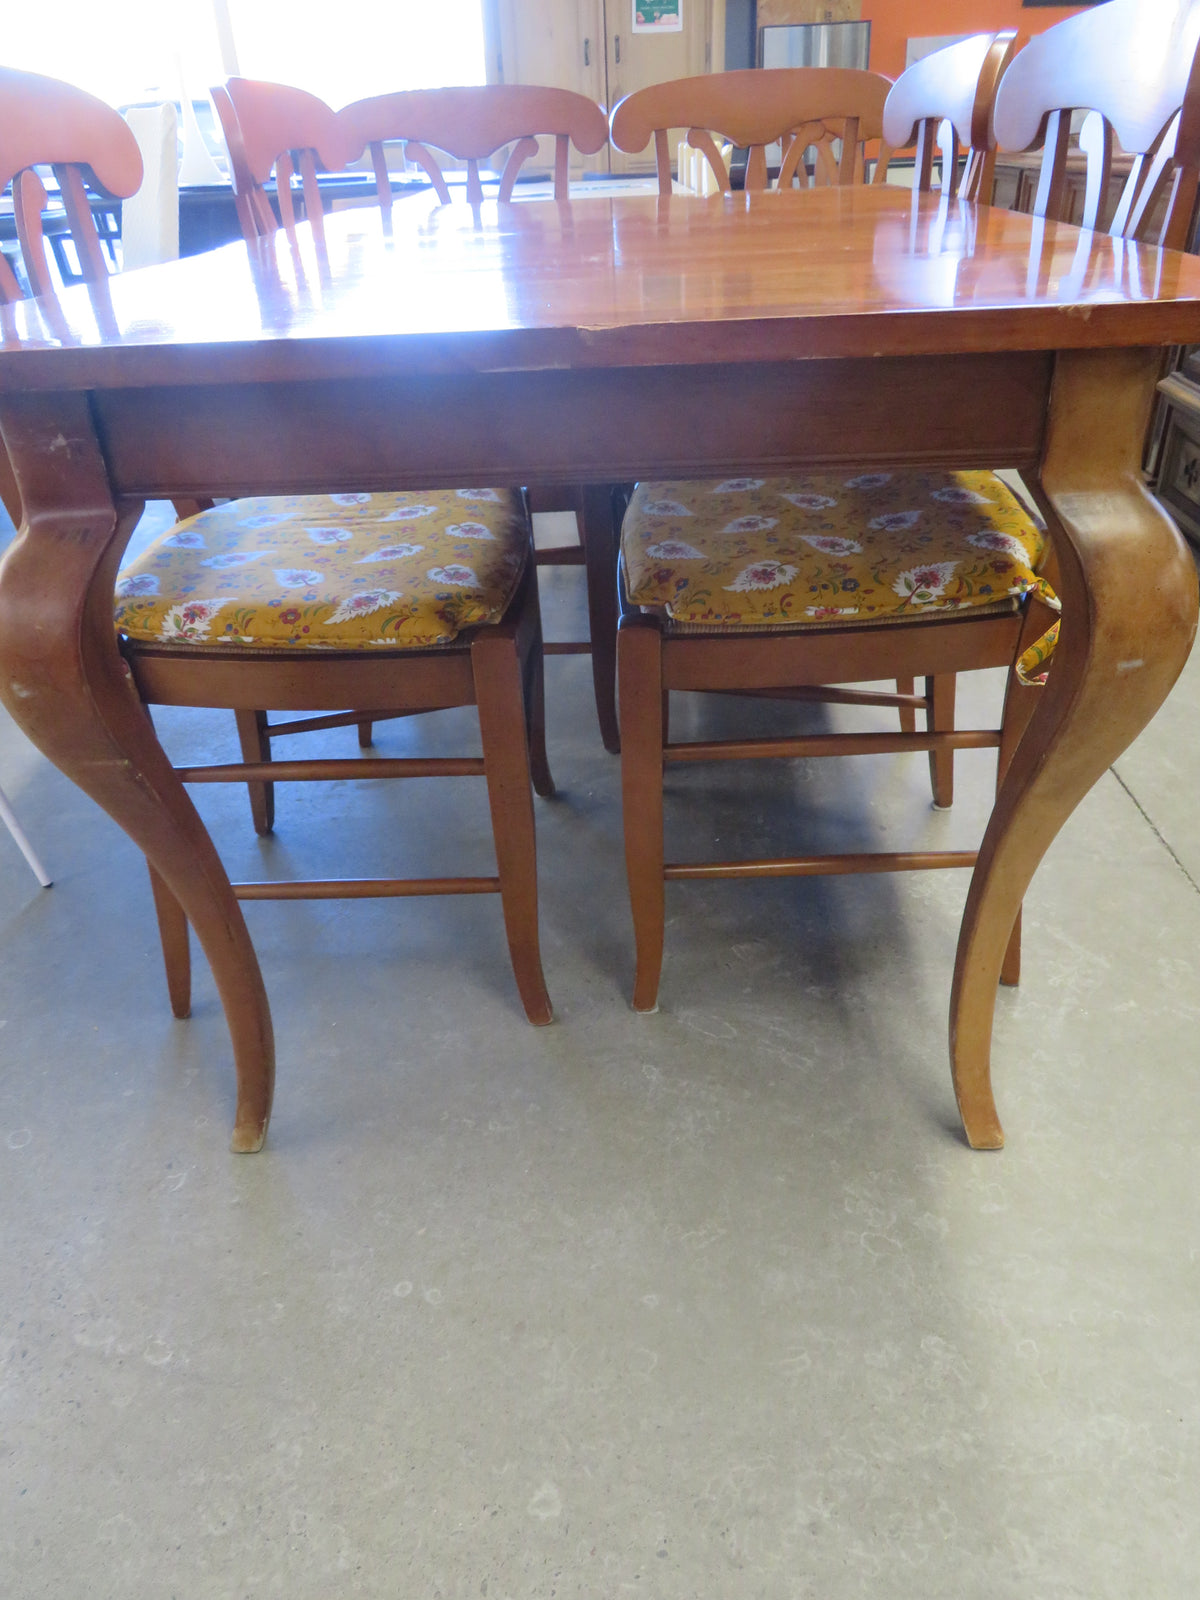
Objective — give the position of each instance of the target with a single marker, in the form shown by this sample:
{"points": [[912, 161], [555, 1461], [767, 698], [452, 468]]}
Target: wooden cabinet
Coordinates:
{"points": [[1017, 180], [787, 13], [590, 46], [1174, 452]]}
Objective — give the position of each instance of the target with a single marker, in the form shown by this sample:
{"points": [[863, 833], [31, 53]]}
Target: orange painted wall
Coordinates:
{"points": [[893, 22]]}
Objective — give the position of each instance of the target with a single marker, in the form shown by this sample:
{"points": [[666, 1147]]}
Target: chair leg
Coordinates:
{"points": [[1020, 702], [597, 529], [366, 735], [1010, 967], [639, 671], [176, 947], [535, 722], [941, 690], [531, 651], [498, 692], [10, 495], [256, 746], [908, 714]]}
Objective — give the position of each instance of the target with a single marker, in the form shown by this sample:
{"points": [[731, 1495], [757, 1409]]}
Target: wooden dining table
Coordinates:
{"points": [[595, 342]]}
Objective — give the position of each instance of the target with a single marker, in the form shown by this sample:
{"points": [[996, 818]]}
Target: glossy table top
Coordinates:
{"points": [[617, 281]]}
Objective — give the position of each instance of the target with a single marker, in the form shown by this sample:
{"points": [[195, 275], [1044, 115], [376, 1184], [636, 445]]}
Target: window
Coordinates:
{"points": [[136, 50], [124, 51], [374, 46]]}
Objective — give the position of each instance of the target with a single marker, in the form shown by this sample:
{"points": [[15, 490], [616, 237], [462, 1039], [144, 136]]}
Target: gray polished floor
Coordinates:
{"points": [[708, 1303]]}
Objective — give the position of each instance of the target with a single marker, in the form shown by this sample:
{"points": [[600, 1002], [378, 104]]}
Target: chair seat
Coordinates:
{"points": [[329, 572], [825, 548]]}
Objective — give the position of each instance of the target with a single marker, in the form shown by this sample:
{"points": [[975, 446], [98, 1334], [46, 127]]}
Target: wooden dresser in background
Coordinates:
{"points": [[1173, 444]]}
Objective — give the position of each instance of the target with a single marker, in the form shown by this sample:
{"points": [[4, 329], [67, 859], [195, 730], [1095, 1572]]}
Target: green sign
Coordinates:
{"points": [[657, 16]]}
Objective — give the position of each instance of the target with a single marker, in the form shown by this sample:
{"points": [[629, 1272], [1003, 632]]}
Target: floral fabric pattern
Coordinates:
{"points": [[1032, 665], [329, 571], [828, 548]]}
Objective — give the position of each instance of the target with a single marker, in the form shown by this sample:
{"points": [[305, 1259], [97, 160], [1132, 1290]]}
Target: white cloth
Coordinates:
{"points": [[150, 218]]}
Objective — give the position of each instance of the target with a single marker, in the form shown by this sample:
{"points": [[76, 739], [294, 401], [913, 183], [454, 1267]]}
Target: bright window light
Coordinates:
{"points": [[137, 50], [123, 51], [371, 46]]}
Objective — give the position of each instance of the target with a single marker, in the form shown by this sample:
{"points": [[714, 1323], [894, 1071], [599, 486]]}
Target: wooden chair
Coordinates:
{"points": [[945, 97], [47, 123], [454, 636], [472, 126], [1132, 65], [753, 655], [952, 90], [800, 107], [262, 124]]}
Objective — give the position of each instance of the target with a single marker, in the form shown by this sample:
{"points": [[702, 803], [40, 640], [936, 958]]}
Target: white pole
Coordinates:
{"points": [[225, 40], [8, 817]]}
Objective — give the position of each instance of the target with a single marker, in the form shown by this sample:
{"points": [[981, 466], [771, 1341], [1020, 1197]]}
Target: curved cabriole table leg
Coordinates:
{"points": [[1129, 597], [63, 680]]}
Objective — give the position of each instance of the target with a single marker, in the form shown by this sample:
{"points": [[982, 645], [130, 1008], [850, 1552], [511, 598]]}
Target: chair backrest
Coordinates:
{"points": [[1134, 64], [47, 123], [956, 86], [471, 125], [275, 127], [251, 204], [753, 108]]}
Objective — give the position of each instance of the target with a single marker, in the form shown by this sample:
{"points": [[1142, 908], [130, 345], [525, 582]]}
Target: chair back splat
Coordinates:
{"points": [[89, 146], [470, 125], [1133, 63], [955, 86], [273, 127], [799, 107]]}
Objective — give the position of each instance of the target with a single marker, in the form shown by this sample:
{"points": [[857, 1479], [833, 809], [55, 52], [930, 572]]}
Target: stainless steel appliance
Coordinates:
{"points": [[815, 44]]}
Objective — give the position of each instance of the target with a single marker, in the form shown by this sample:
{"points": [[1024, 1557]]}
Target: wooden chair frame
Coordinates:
{"points": [[955, 86], [496, 668], [470, 125], [48, 123], [754, 108], [1083, 64]]}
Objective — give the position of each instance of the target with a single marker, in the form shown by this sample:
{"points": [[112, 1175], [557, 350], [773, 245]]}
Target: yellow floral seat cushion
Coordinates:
{"points": [[332, 572], [829, 548]]}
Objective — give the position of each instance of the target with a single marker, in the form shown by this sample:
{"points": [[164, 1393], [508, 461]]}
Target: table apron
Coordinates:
{"points": [[573, 426]]}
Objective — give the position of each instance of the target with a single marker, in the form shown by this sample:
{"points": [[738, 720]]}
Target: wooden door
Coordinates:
{"points": [[636, 60], [556, 43], [590, 46]]}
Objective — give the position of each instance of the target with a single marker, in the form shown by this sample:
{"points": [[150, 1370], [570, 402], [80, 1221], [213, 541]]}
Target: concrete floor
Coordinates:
{"points": [[710, 1303]]}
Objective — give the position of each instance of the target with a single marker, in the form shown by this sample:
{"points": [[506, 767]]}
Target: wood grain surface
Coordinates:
{"points": [[626, 281]]}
